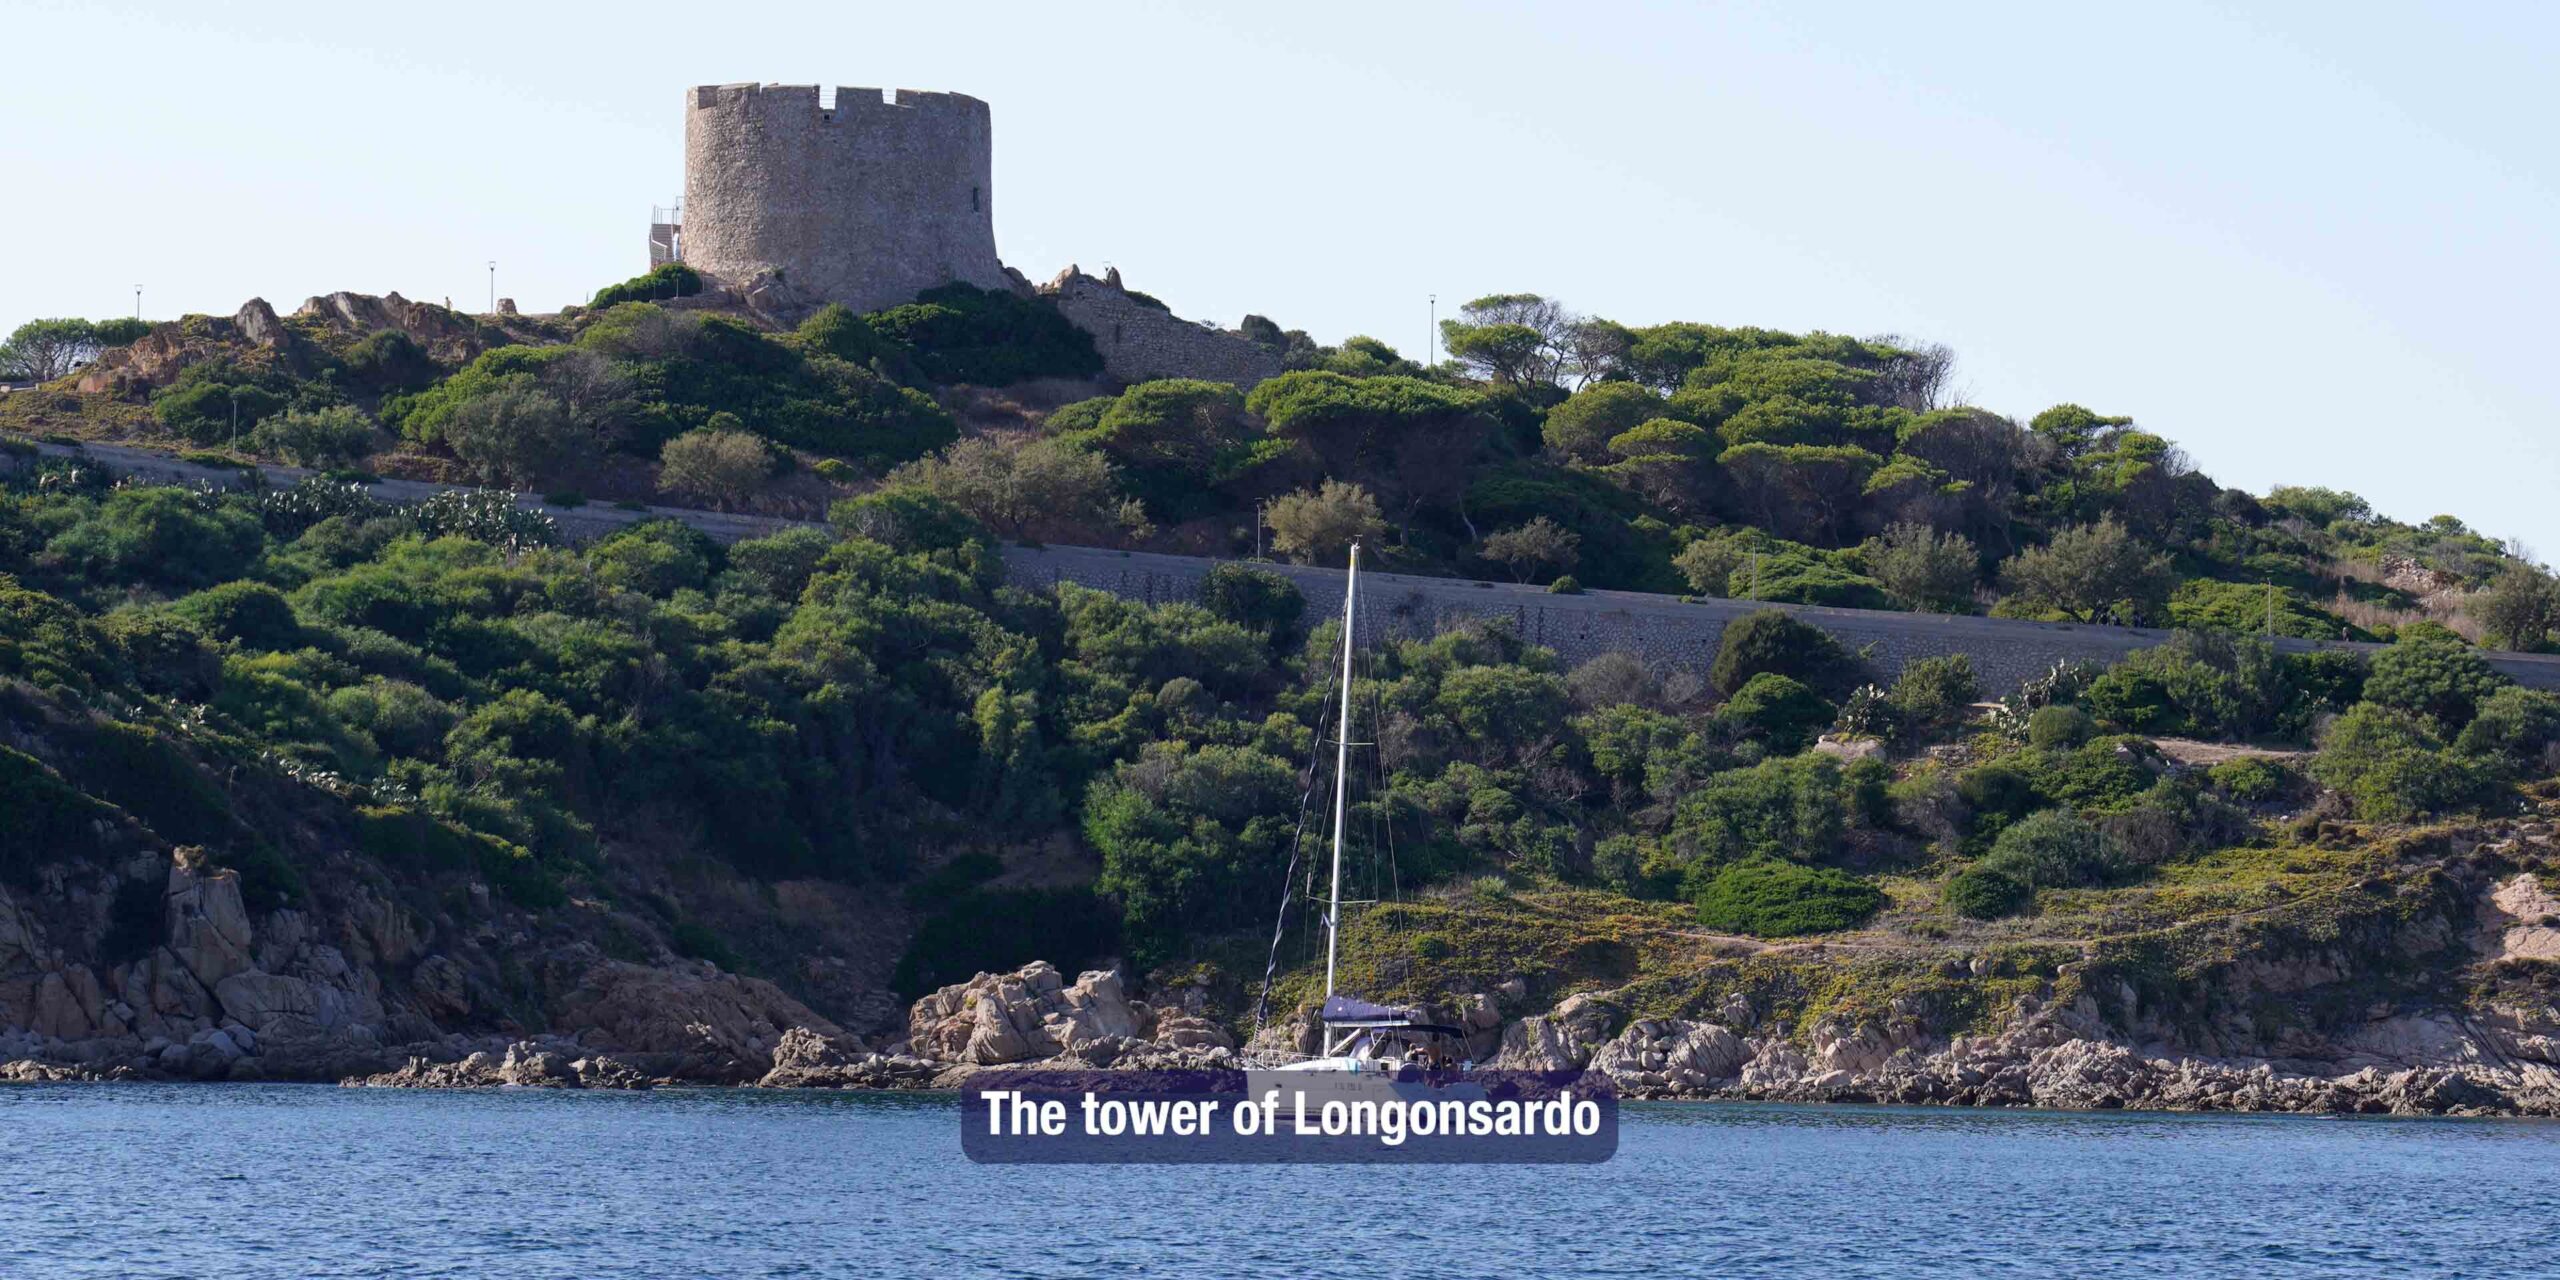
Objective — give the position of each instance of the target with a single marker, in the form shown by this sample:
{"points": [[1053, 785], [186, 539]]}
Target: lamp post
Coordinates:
{"points": [[493, 286], [1431, 336], [137, 302]]}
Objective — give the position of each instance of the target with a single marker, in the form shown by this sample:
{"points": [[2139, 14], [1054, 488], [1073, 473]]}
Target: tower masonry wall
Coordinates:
{"points": [[867, 201]]}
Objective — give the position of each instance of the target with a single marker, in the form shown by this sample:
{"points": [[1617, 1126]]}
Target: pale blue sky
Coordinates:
{"points": [[2311, 243]]}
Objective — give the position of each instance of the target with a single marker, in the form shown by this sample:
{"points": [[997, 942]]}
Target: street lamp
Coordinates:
{"points": [[137, 302], [493, 286]]}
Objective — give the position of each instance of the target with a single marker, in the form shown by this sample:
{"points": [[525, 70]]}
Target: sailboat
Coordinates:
{"points": [[1367, 1049]]}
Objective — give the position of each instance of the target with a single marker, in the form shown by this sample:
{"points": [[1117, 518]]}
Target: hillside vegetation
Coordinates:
{"points": [[1676, 457], [272, 677]]}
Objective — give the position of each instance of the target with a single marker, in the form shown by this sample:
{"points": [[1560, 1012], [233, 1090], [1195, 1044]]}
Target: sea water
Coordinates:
{"points": [[249, 1181]]}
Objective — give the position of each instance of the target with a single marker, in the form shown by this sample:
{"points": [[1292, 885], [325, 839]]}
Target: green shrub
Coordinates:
{"points": [[2178, 816], [2059, 728], [2515, 725], [1933, 694], [1079, 418], [723, 467], [1772, 640], [1188, 839], [326, 437], [988, 337], [655, 557], [1987, 893], [401, 718], [2429, 671], [1782, 711], [164, 536], [2102, 773], [516, 433], [2053, 849], [2253, 779], [388, 362], [565, 498], [1258, 600], [1774, 899], [659, 284], [2324, 681], [907, 519], [1565, 586], [1775, 809], [407, 838], [1999, 790], [998, 930], [47, 818], [251, 614], [2239, 608], [1808, 576], [167, 654], [140, 769], [779, 566], [209, 404], [2389, 762], [2197, 683]]}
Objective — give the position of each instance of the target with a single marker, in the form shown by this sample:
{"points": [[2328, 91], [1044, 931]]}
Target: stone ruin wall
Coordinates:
{"points": [[1140, 341], [867, 201], [1665, 630]]}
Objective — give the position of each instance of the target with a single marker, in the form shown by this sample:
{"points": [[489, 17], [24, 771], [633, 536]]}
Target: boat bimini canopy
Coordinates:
{"points": [[1345, 1013]]}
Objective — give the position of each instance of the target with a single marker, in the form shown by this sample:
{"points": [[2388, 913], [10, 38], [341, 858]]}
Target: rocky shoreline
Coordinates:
{"points": [[2057, 1058], [353, 988]]}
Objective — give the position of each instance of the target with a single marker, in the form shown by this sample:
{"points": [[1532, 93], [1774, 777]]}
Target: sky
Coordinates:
{"points": [[2312, 244]]}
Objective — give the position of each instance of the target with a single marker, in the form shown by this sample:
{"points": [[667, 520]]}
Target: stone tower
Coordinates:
{"points": [[866, 202]]}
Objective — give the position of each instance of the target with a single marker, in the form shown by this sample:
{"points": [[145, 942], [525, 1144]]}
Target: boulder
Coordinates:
{"points": [[1561, 1040], [1670, 1057], [528, 1065], [207, 927], [258, 323], [1191, 1031], [1849, 750], [806, 1059], [692, 1021], [1024, 1016]]}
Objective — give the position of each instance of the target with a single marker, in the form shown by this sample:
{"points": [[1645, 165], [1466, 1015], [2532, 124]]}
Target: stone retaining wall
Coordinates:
{"points": [[1664, 629]]}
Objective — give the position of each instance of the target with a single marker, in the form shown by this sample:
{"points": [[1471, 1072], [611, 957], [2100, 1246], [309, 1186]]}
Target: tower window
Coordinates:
{"points": [[1115, 333], [973, 200]]}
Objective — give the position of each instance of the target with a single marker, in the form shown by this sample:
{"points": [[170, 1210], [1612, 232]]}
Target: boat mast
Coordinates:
{"points": [[1341, 778]]}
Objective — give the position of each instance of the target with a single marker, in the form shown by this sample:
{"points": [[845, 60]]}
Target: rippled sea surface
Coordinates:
{"points": [[262, 1180]]}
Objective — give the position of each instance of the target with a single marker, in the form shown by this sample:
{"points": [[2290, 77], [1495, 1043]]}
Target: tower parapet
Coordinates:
{"points": [[866, 200]]}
